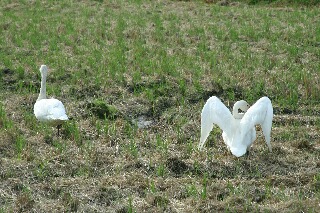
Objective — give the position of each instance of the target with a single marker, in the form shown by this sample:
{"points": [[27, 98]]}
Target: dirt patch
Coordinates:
{"points": [[9, 79], [83, 91], [107, 195], [177, 166], [160, 106]]}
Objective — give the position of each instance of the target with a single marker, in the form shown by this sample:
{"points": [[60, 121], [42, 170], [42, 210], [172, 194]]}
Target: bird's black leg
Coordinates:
{"points": [[58, 127], [247, 154]]}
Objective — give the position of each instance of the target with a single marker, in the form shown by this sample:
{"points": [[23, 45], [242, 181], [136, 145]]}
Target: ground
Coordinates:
{"points": [[134, 76]]}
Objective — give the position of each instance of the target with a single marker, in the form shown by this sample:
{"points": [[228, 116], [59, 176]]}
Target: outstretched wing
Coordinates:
{"points": [[259, 113], [214, 112]]}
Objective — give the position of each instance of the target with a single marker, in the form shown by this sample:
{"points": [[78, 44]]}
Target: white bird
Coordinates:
{"points": [[50, 110], [238, 129]]}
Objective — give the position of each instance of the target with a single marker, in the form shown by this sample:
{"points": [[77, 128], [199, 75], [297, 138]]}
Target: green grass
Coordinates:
{"points": [[134, 76]]}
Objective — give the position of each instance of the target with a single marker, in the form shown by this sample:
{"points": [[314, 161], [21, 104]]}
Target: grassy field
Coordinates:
{"points": [[134, 76]]}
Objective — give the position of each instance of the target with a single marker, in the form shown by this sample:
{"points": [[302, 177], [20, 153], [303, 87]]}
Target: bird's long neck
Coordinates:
{"points": [[42, 94]]}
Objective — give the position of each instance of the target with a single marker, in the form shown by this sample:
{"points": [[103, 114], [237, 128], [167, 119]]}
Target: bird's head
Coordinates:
{"points": [[44, 70], [240, 105]]}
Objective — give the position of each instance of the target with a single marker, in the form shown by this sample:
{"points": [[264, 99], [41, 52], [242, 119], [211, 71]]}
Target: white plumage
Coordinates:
{"points": [[238, 129], [48, 110]]}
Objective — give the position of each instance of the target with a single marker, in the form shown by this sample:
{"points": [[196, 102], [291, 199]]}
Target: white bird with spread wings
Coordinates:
{"points": [[238, 129]]}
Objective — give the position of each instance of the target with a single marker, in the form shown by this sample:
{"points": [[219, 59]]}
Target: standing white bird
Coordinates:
{"points": [[49, 110], [238, 129]]}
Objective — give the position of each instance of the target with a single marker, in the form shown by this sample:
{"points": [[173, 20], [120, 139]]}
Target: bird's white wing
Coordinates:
{"points": [[259, 113], [214, 112], [50, 110], [57, 111]]}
